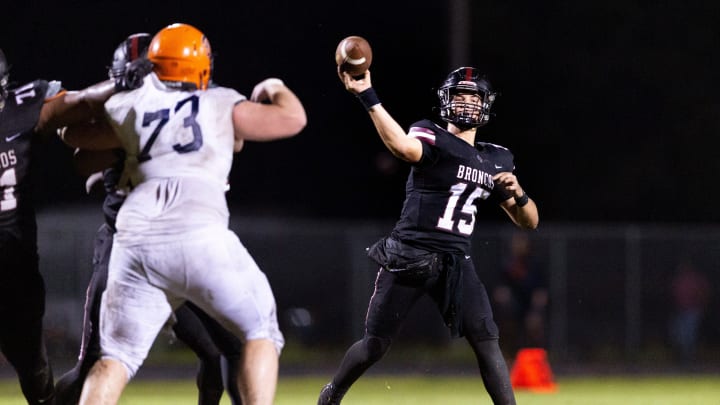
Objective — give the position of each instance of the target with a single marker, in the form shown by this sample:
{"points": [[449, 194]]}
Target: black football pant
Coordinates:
{"points": [[22, 306], [219, 352], [69, 386], [392, 300], [25, 351]]}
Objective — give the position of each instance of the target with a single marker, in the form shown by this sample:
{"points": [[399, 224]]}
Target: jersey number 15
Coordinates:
{"points": [[464, 226]]}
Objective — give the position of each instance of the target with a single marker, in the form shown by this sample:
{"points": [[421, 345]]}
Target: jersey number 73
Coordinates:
{"points": [[163, 116]]}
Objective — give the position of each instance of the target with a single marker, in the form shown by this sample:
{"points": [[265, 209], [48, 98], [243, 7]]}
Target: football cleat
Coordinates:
{"points": [[330, 396]]}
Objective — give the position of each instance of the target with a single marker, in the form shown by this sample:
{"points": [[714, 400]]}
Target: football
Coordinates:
{"points": [[353, 55]]}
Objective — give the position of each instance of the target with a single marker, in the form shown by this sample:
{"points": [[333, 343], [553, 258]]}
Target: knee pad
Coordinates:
{"points": [[130, 320], [376, 346], [481, 329], [37, 385]]}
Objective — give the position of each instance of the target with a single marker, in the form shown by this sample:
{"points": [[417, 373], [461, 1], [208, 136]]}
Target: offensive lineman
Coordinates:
{"points": [[428, 250], [173, 243], [212, 344]]}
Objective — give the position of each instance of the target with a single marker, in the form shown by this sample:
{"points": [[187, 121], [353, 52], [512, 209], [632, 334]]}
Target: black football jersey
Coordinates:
{"points": [[444, 188], [113, 198], [17, 123]]}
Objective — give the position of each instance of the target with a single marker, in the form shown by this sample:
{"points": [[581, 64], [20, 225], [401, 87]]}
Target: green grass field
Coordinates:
{"points": [[441, 390]]}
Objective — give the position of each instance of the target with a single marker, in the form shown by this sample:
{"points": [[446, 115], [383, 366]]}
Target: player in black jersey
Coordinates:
{"points": [[102, 160], [428, 250], [36, 108]]}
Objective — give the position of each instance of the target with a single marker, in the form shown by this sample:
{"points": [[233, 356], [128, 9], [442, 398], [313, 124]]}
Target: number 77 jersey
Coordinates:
{"points": [[444, 188], [172, 133]]}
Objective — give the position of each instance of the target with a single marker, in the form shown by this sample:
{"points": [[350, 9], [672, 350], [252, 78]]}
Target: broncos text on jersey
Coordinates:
{"points": [[444, 188]]}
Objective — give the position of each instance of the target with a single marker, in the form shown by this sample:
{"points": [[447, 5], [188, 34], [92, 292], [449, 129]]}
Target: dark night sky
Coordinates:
{"points": [[609, 106]]}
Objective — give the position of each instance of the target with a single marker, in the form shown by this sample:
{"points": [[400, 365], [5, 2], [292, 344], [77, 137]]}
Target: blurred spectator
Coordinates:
{"points": [[521, 297], [690, 291]]}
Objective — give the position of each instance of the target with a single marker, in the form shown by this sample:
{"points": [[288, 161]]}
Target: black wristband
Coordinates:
{"points": [[522, 200], [368, 98]]}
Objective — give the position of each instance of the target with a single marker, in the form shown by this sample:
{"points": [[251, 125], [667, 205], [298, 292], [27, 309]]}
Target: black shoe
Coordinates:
{"points": [[328, 396]]}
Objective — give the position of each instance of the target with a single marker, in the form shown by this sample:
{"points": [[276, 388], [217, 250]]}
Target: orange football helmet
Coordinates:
{"points": [[181, 53]]}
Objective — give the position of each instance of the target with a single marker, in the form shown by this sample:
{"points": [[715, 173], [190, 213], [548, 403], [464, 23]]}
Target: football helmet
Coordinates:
{"points": [[133, 47], [181, 56], [464, 115], [4, 77]]}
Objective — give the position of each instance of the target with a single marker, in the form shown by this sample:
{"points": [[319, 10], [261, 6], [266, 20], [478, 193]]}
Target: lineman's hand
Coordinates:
{"points": [[356, 84], [134, 74], [509, 183], [266, 89]]}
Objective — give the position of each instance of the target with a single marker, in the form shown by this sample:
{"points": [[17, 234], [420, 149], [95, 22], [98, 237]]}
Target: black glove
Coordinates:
{"points": [[134, 74]]}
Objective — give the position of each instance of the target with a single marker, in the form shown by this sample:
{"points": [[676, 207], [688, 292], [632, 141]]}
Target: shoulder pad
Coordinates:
{"points": [[502, 154], [491, 146], [424, 130], [30, 93]]}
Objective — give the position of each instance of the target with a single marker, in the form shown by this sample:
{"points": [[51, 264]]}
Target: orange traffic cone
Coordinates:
{"points": [[531, 371]]}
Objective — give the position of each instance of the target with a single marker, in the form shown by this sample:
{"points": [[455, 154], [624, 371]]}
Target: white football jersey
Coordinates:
{"points": [[170, 133], [179, 147]]}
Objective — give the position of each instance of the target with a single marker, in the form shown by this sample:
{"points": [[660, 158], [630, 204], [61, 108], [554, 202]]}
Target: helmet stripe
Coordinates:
{"points": [[468, 74], [133, 48]]}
